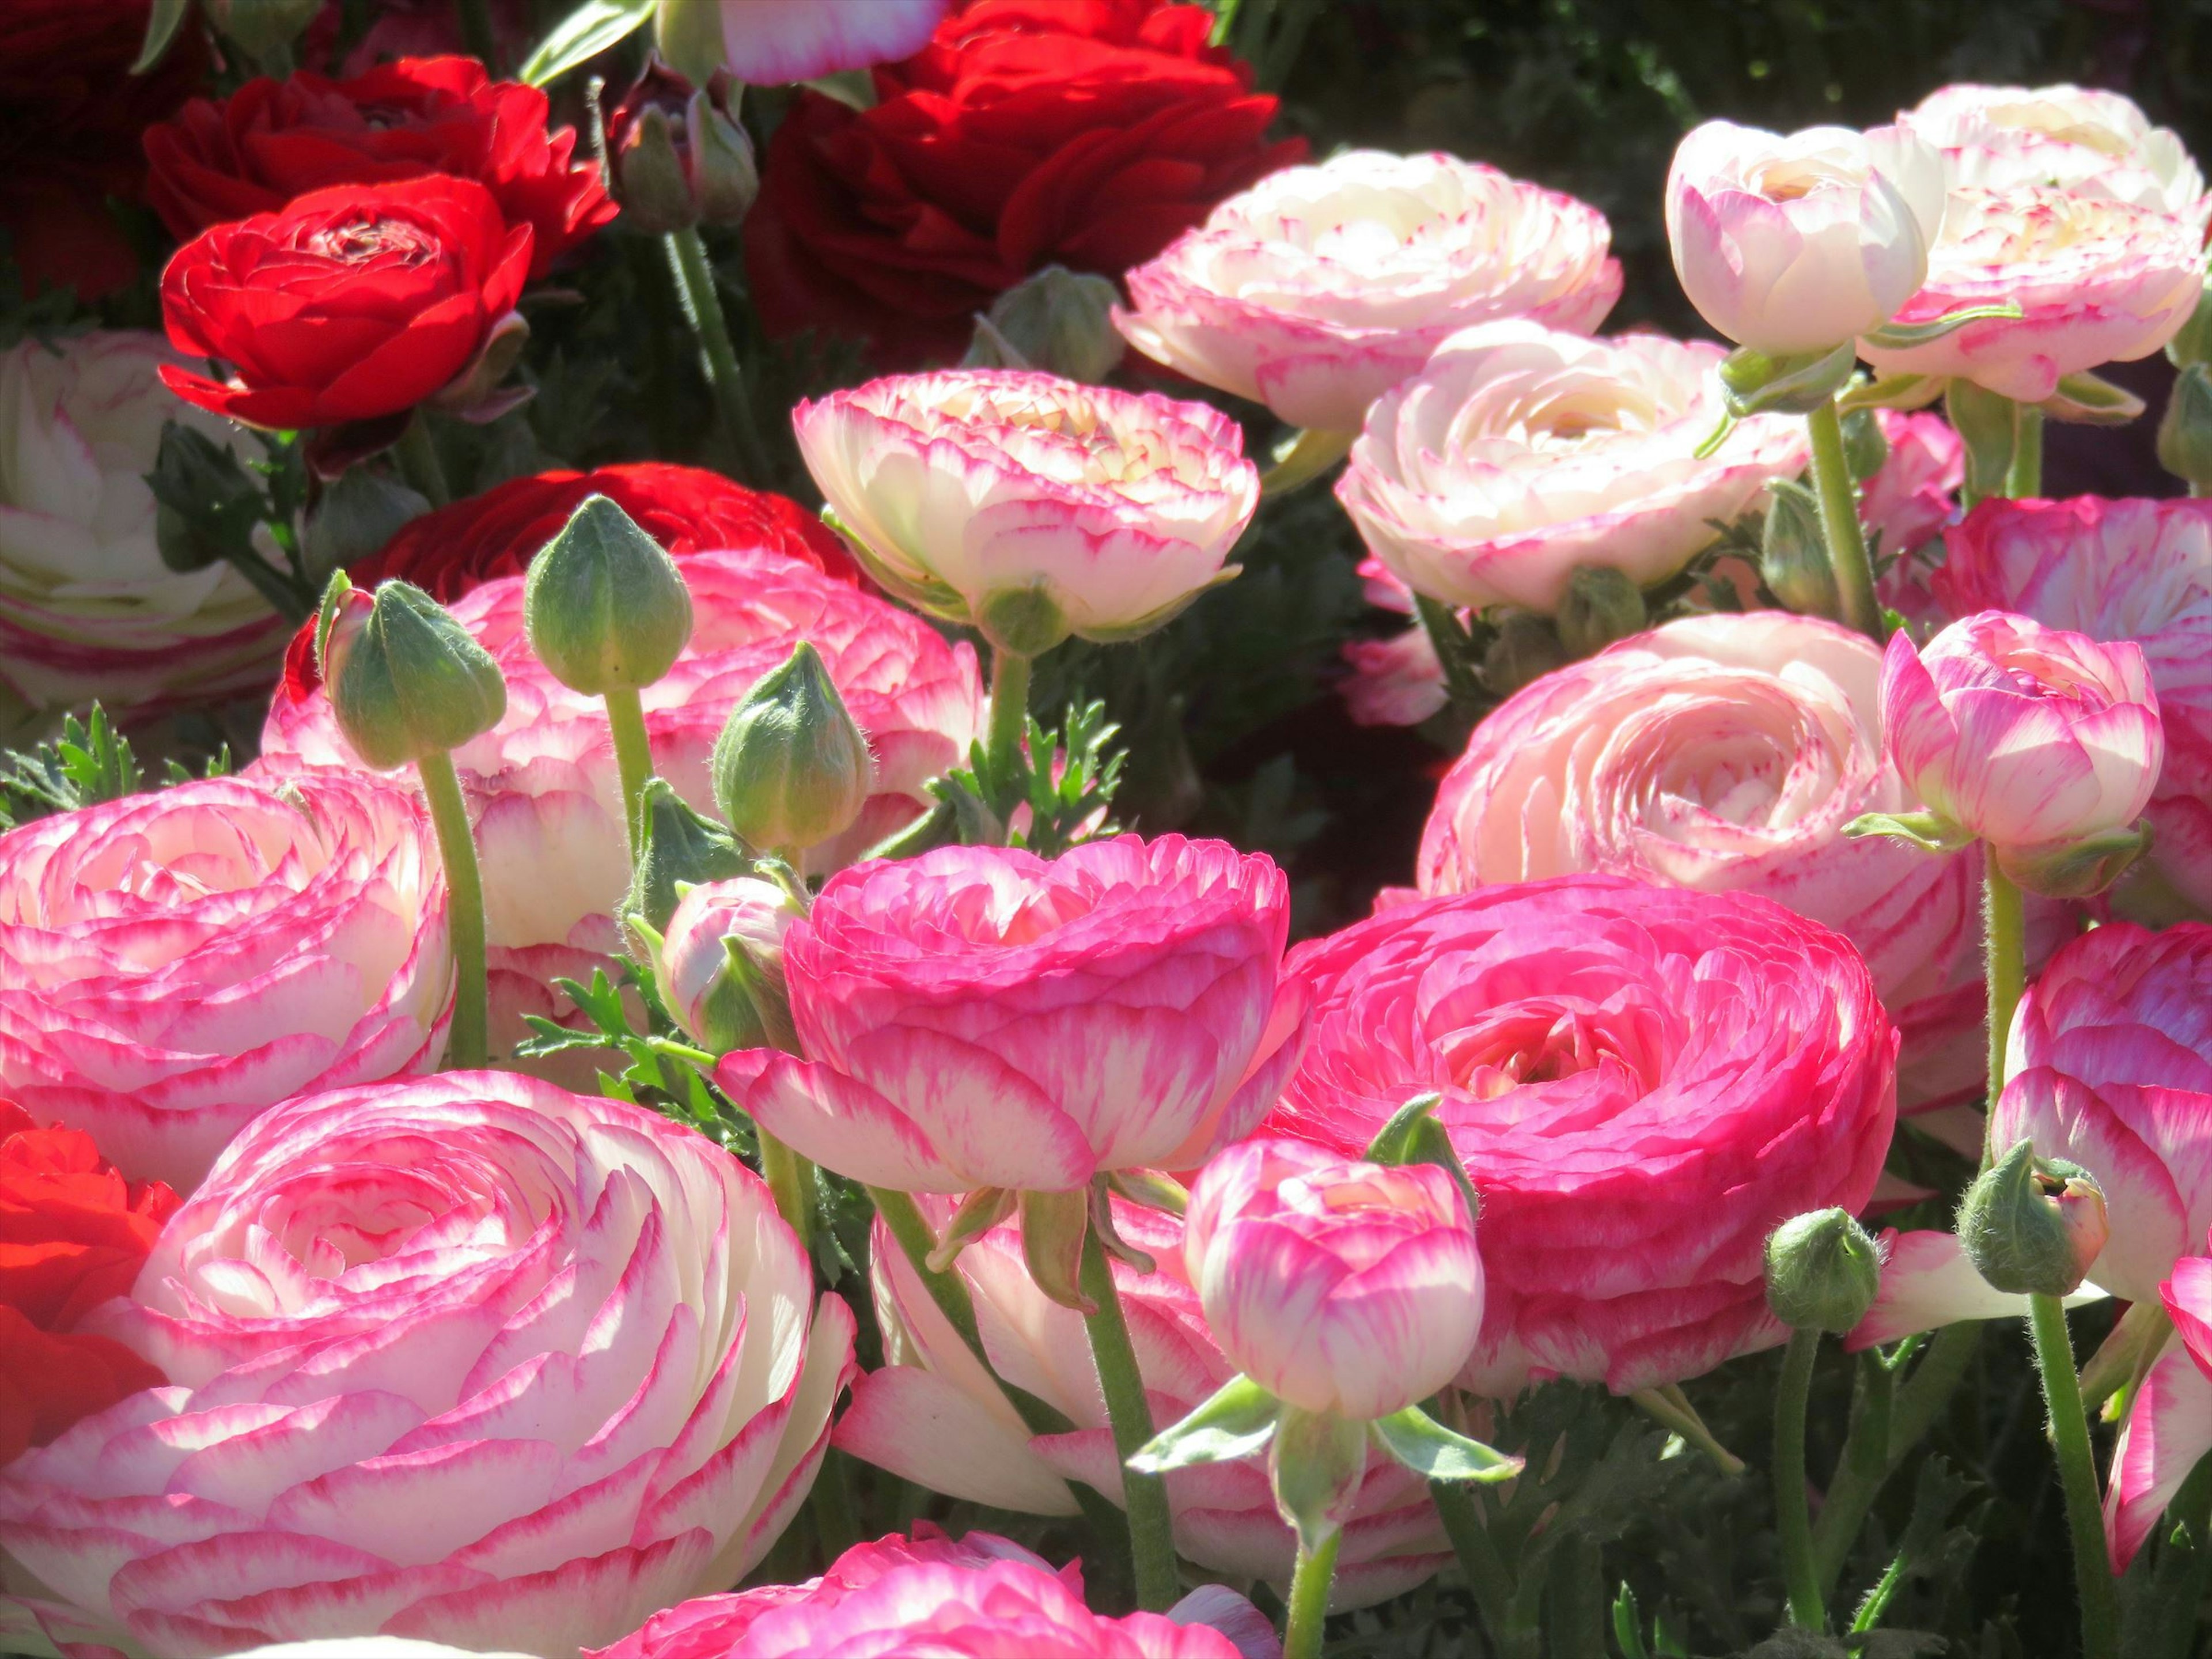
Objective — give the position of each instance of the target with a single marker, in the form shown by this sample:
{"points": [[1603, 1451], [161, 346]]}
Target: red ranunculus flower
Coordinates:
{"points": [[72, 1234], [1084, 133], [273, 140], [684, 509], [69, 119], [351, 303]]}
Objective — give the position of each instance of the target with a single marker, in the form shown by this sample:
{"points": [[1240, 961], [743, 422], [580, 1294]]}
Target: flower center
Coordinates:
{"points": [[1544, 1040], [358, 240]]}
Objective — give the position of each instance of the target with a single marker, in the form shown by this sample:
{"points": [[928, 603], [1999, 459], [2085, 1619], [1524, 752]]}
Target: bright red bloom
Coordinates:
{"points": [[353, 302], [273, 140], [72, 1234], [1084, 133]]}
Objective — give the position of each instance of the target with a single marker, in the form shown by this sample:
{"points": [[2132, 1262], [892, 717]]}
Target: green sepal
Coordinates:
{"points": [[1053, 1229], [1988, 423], [1436, 1453], [1754, 383], [2079, 869], [1413, 1136], [1151, 1189], [927, 594], [1929, 831], [1236, 1421], [1891, 392], [980, 1211], [1902, 336], [1314, 1465], [2086, 399]]}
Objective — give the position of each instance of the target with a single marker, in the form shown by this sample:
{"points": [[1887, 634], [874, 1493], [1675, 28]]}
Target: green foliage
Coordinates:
{"points": [[90, 763]]}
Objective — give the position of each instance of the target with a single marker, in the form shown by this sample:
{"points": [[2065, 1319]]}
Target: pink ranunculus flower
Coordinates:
{"points": [[2169, 1425], [1339, 1286], [1030, 505], [1321, 287], [2031, 738], [2115, 570], [934, 1416], [469, 1358], [981, 1017], [1728, 753], [1800, 242], [1639, 1080], [693, 963], [2081, 139], [2098, 281], [544, 787], [770, 42], [1393, 682], [930, 1597], [173, 964], [1518, 453]]}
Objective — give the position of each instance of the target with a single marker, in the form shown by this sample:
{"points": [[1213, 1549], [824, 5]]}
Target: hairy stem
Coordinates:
{"points": [[467, 1038]]}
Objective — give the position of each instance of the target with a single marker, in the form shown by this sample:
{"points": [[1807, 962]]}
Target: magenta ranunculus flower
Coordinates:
{"points": [[1030, 505], [934, 1415], [173, 964], [981, 1017], [1321, 287], [2031, 738], [1640, 1080], [469, 1358], [1339, 1286]]}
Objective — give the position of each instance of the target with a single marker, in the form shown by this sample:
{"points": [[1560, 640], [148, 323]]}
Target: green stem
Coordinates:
{"points": [[791, 1178], [1860, 1470], [1840, 523], [1460, 1511], [1448, 641], [2024, 477], [2004, 942], [419, 464], [1310, 1582], [633, 755], [2078, 1474], [285, 596], [703, 309], [1010, 715], [1144, 1496], [466, 1040], [1934, 1380], [1793, 1521], [911, 1230], [476, 33]]}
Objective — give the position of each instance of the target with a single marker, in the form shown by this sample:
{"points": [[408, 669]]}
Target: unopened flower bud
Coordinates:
{"points": [[2185, 432], [405, 679], [1525, 649], [2032, 1226], [605, 606], [1058, 320], [677, 155], [676, 847], [791, 768], [1793, 553], [721, 964], [1601, 604], [1823, 1271], [261, 26]]}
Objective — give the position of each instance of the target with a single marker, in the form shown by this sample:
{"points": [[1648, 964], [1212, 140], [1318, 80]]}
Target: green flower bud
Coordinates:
{"points": [[1793, 554], [1058, 320], [1822, 1271], [405, 680], [1601, 604], [1525, 649], [2032, 1226], [791, 768], [2185, 433], [725, 178], [605, 606], [648, 175], [676, 847], [677, 154]]}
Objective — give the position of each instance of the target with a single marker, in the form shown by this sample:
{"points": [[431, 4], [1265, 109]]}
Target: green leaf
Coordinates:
{"points": [[584, 32], [90, 763], [1628, 1625], [161, 28], [1237, 1421], [1436, 1453]]}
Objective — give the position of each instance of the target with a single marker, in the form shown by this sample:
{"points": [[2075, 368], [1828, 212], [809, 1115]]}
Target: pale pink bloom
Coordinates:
{"points": [[88, 608], [1639, 1080], [469, 1358], [543, 785], [1728, 752], [768, 42], [2099, 281], [1800, 242], [692, 965], [1321, 287], [934, 1416], [939, 1593], [173, 965], [1519, 453], [981, 1017], [2028, 737], [2114, 570], [1393, 682], [969, 489], [1339, 1286], [2081, 139]]}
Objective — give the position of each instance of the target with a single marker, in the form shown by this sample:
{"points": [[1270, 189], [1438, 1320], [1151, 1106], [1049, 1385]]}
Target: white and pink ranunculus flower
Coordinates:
{"points": [[1321, 287], [173, 965], [1032, 505], [1339, 1286], [88, 608], [1800, 242], [1519, 453], [770, 42], [1728, 753], [934, 1415], [1912, 498], [469, 1358], [2033, 739], [1639, 1080], [2134, 570], [981, 1017], [544, 787], [2169, 1423], [2080, 139]]}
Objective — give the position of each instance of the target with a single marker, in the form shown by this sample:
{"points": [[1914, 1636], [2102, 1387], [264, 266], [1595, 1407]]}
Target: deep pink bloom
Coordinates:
{"points": [[468, 1358], [981, 1017], [1641, 1081], [934, 1415]]}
